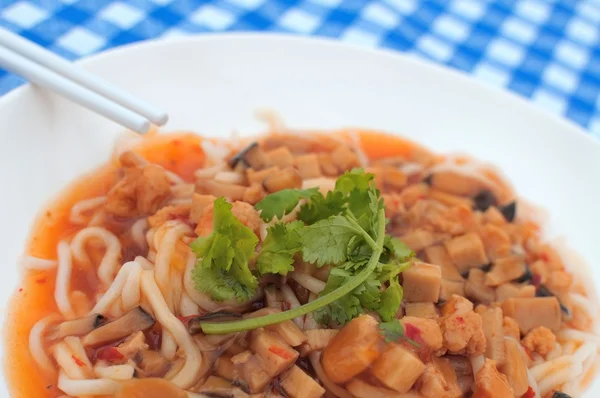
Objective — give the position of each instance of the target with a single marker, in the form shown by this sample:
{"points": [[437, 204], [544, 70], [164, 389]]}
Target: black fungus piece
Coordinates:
{"points": [[428, 180], [484, 268], [560, 394], [194, 325], [465, 274], [242, 156], [483, 200], [526, 277], [509, 211], [566, 312]]}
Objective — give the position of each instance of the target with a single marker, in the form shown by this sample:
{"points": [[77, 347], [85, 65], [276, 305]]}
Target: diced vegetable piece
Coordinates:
{"points": [[449, 199], [308, 166], [289, 332], [287, 178], [493, 216], [151, 364], [344, 158], [134, 321], [466, 251], [540, 340], [494, 332], [419, 239], [133, 344], [230, 191], [421, 282], [476, 289], [149, 388], [199, 203], [505, 270], [422, 310], [277, 355], [361, 389], [456, 183], [449, 288], [251, 156], [533, 312], [509, 290], [496, 241], [394, 178], [445, 366], [429, 331], [438, 255], [298, 384], [254, 372], [439, 380], [327, 166], [515, 368], [280, 157], [489, 383], [352, 350], [215, 383], [511, 328], [254, 194], [258, 176], [398, 368], [317, 339], [224, 367]]}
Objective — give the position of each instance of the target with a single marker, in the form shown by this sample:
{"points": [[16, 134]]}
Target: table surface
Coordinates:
{"points": [[541, 50]]}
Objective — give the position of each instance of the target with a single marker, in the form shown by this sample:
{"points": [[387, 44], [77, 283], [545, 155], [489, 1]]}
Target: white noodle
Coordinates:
{"points": [[74, 344], [324, 184], [63, 281], [183, 191], [578, 335], [109, 264], [36, 342], [130, 297], [79, 209], [64, 357], [138, 232], [229, 177], [77, 388], [187, 306], [115, 289], [477, 362], [176, 289], [193, 361], [555, 379], [542, 371], [209, 172], [309, 282], [356, 145], [36, 263], [174, 178], [97, 219], [290, 297], [168, 346], [114, 372]]}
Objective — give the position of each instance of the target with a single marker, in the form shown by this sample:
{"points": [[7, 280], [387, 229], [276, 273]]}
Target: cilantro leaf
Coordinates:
{"points": [[356, 179], [326, 241], [282, 202], [390, 302], [222, 266], [398, 249], [320, 207], [392, 330], [342, 310], [278, 248]]}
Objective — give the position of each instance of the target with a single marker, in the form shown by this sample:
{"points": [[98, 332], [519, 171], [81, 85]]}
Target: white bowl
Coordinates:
{"points": [[213, 84]]}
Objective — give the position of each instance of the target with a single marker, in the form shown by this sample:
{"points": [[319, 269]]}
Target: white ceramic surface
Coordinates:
{"points": [[213, 85]]}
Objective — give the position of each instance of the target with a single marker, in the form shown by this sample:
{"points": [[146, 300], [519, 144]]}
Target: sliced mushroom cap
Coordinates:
{"points": [[77, 327], [134, 321], [509, 211], [251, 156]]}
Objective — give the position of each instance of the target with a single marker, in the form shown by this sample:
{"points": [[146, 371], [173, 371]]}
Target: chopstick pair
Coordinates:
{"points": [[48, 70]]}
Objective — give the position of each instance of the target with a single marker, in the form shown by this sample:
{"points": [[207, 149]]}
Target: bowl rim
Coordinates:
{"points": [[566, 126]]}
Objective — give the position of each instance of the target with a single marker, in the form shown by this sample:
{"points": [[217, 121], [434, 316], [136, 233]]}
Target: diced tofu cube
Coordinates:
{"points": [[421, 282], [476, 289], [398, 368], [214, 382], [449, 288], [449, 199], [438, 255], [508, 290], [298, 384], [289, 332], [287, 178], [515, 368], [344, 158], [361, 389], [280, 157], [199, 203], [505, 270], [456, 183], [533, 312], [489, 383], [352, 350], [255, 374], [276, 354], [466, 251], [422, 310], [493, 330], [258, 176], [308, 166], [496, 241], [419, 239], [428, 331], [224, 367], [317, 339]]}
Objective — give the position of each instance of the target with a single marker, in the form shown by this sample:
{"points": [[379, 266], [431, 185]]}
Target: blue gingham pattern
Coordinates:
{"points": [[546, 51]]}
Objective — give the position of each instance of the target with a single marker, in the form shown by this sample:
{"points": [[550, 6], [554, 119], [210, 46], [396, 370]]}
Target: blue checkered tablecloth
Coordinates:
{"points": [[546, 51]]}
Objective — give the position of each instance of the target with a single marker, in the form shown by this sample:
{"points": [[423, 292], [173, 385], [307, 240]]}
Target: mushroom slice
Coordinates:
{"points": [[77, 327], [134, 321]]}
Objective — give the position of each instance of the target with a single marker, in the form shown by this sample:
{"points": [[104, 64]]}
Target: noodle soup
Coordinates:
{"points": [[352, 264]]}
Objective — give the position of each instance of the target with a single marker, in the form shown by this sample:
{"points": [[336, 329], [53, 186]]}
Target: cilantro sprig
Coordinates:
{"points": [[344, 229]]}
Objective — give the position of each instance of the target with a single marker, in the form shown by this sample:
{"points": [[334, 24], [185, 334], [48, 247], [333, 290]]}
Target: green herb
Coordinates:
{"points": [[390, 300], [282, 202], [222, 266], [279, 247], [320, 207], [392, 330]]}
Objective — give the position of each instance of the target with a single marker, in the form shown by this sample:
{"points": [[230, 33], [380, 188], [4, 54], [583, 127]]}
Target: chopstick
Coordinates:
{"points": [[48, 70]]}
